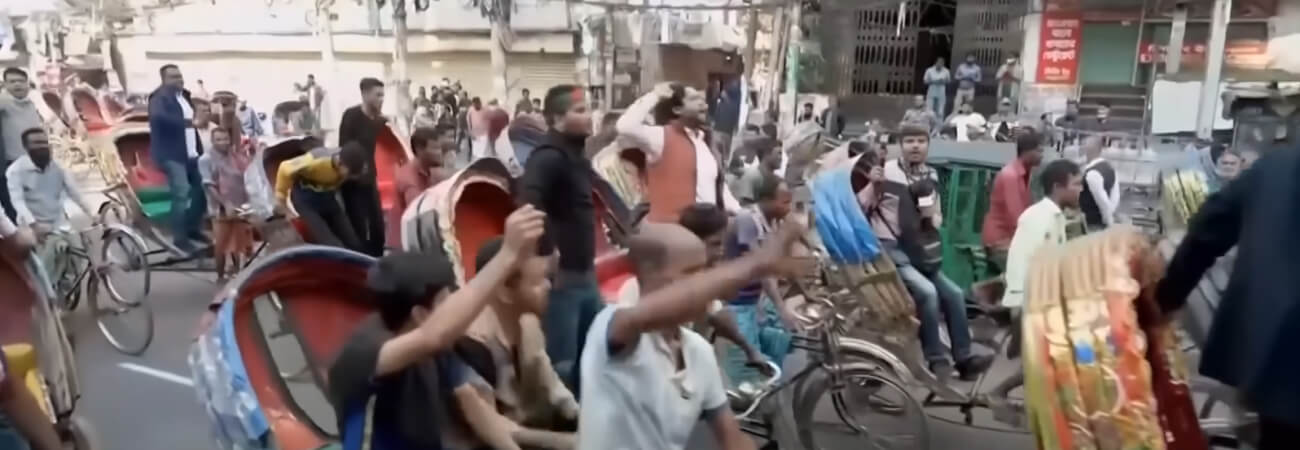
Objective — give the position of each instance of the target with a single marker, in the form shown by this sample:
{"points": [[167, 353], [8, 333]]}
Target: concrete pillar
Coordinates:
{"points": [[1174, 51], [1209, 104]]}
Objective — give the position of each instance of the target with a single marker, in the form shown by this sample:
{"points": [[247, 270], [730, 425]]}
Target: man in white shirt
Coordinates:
{"points": [[647, 379], [687, 107], [967, 122], [936, 87], [38, 187], [1042, 225], [1100, 196]]}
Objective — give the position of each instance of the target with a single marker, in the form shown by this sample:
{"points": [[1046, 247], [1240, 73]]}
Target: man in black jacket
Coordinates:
{"points": [[1251, 342], [362, 124], [558, 180]]}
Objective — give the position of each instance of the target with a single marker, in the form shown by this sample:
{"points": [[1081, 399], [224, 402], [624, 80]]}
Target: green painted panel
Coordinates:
{"points": [[1109, 53]]}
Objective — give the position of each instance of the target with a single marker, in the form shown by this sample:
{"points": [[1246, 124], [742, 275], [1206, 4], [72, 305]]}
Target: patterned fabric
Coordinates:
{"points": [[768, 335], [1093, 378]]}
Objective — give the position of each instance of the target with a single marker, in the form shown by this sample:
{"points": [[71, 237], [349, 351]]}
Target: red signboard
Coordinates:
{"points": [[1058, 47], [1242, 53]]}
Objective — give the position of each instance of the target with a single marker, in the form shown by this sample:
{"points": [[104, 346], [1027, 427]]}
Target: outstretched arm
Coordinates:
{"points": [[449, 321], [1211, 232]]}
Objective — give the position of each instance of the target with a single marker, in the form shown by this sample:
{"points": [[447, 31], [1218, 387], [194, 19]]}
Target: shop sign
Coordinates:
{"points": [[1244, 53], [1058, 47]]}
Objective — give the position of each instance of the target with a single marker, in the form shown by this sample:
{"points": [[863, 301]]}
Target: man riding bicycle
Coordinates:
{"points": [[39, 187]]}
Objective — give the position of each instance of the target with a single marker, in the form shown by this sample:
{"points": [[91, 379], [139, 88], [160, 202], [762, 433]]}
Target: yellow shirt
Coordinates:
{"points": [[314, 170]]}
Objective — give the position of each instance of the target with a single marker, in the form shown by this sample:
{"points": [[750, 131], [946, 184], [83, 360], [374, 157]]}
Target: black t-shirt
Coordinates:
{"points": [[409, 409], [557, 180], [359, 127]]}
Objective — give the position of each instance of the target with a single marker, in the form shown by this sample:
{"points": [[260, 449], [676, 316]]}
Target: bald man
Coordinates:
{"points": [[648, 379]]}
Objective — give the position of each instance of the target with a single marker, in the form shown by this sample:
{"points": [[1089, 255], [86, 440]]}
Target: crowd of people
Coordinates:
{"points": [[634, 373]]}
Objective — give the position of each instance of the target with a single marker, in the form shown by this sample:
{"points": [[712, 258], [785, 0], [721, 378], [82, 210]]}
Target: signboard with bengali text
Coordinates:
{"points": [[1059, 46]]}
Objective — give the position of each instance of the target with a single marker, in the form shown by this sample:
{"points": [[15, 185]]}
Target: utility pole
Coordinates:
{"points": [[609, 52], [324, 20], [402, 84], [751, 39], [1209, 104], [1178, 29], [774, 58]]}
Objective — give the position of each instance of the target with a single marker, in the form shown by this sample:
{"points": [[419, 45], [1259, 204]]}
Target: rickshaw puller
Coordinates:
{"points": [[314, 179], [38, 186], [222, 170]]}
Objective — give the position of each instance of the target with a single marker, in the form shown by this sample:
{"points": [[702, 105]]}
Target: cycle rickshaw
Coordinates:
{"points": [[36, 345]]}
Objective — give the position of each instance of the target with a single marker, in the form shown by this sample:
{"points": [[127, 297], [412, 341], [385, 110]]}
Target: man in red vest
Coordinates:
{"points": [[683, 169]]}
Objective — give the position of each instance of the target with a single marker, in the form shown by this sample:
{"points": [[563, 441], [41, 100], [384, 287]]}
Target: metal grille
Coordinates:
{"points": [[990, 29], [869, 50]]}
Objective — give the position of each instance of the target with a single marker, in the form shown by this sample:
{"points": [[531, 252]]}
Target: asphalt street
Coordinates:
{"points": [[147, 402]]}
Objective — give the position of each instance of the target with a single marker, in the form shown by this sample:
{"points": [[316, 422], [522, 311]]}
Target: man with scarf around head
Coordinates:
{"points": [[683, 169], [558, 180]]}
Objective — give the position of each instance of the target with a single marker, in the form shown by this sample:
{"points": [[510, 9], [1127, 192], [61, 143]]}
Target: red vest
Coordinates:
{"points": [[670, 181]]}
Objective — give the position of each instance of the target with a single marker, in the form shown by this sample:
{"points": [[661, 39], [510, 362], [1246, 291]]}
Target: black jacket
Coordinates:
{"points": [[1258, 318], [557, 180]]}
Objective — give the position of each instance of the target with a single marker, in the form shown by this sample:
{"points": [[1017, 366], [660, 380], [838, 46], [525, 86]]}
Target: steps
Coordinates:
{"points": [[1126, 104]]}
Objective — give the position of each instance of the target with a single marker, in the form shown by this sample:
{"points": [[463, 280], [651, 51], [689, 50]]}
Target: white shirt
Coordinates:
{"points": [[1107, 201], [1041, 225], [636, 399], [967, 124], [650, 139], [191, 135], [38, 195]]}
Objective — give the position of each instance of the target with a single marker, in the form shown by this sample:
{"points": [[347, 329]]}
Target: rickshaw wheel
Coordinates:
{"points": [[81, 435], [107, 314], [856, 408], [125, 265]]}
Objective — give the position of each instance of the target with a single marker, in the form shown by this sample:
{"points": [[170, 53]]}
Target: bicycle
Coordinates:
{"points": [[789, 422], [74, 270]]}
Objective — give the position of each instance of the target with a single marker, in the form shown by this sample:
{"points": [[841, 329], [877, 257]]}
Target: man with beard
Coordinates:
{"points": [[362, 124], [39, 188], [936, 296], [1010, 197], [1042, 225], [558, 181], [682, 169], [175, 147]]}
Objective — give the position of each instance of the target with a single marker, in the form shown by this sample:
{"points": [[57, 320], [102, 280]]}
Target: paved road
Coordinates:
{"points": [[146, 403]]}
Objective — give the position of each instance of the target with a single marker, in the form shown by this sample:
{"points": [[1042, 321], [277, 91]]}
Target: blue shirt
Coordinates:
{"points": [[746, 238]]}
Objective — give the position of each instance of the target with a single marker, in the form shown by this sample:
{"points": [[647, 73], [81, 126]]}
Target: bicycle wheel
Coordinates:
{"points": [[125, 267], [871, 411], [127, 327]]}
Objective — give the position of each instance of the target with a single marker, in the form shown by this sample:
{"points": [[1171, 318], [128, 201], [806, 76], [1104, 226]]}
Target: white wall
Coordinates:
{"points": [[1284, 37], [297, 16]]}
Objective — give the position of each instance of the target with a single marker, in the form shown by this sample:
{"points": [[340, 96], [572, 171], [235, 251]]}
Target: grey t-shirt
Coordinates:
{"points": [[16, 116], [634, 399]]}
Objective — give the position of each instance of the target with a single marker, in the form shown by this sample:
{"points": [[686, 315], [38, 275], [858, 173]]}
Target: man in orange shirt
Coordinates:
{"points": [[430, 145], [1010, 197]]}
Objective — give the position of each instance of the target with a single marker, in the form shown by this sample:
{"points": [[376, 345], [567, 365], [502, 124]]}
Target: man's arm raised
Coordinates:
{"points": [[450, 320], [683, 300]]}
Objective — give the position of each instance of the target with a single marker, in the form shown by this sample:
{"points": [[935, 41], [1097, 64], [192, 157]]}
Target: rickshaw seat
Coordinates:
{"points": [[155, 201], [22, 363]]}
